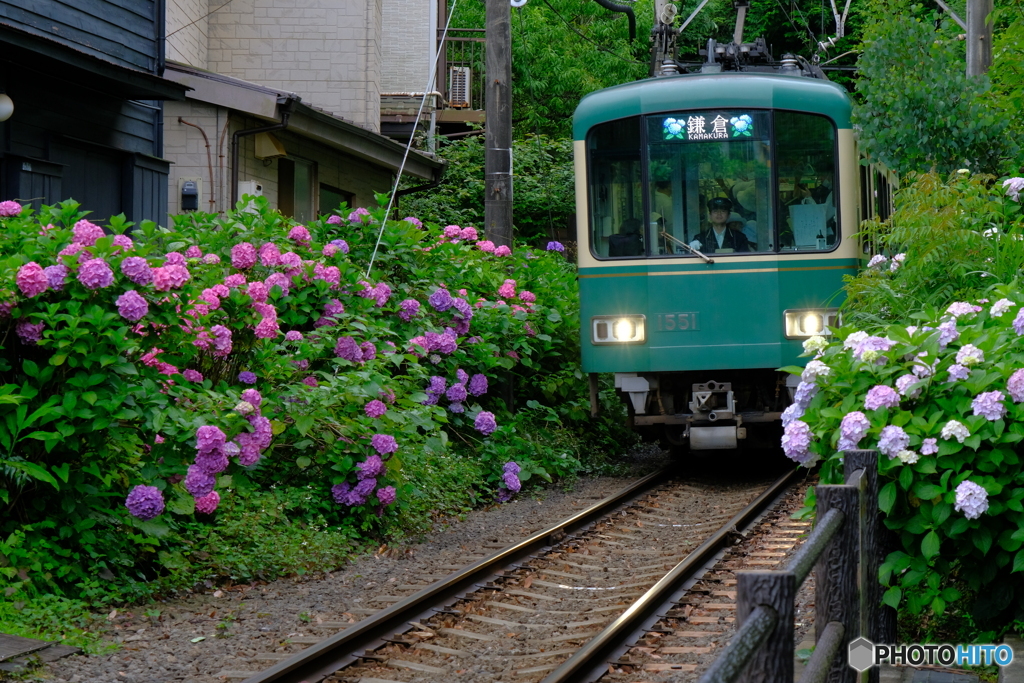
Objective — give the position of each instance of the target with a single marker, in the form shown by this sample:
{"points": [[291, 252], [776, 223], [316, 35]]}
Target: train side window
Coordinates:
{"points": [[808, 194], [616, 192]]}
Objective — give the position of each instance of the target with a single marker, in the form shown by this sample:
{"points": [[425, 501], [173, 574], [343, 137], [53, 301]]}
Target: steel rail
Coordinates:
{"points": [[320, 660], [591, 661]]}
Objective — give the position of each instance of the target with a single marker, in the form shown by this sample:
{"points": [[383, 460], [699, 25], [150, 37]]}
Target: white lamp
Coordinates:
{"points": [[6, 106]]}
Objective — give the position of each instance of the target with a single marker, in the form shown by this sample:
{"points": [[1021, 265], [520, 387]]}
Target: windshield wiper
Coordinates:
{"points": [[670, 238]]}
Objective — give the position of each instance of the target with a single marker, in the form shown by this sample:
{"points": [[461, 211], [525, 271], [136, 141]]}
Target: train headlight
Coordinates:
{"points": [[807, 322], [618, 329]]}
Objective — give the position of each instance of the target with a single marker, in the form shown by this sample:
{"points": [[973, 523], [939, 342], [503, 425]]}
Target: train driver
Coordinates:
{"points": [[718, 238]]}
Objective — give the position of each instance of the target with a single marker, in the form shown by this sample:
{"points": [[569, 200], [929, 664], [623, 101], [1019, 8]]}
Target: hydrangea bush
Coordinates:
{"points": [[943, 403], [151, 372]]}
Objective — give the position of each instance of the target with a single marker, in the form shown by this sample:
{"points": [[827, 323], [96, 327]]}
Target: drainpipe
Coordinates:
{"points": [[209, 162], [286, 111]]}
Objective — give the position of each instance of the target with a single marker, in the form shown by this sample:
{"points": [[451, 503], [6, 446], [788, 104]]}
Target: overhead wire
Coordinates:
{"points": [[405, 156], [196, 21]]}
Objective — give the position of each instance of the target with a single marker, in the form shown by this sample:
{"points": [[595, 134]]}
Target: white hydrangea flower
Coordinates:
{"points": [[907, 457], [876, 260], [816, 344], [869, 356], [856, 338], [897, 261], [245, 408], [969, 355], [955, 430], [814, 370], [1000, 307]]}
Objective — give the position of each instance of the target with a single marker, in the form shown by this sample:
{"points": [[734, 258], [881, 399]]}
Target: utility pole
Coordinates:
{"points": [[498, 135], [979, 37]]}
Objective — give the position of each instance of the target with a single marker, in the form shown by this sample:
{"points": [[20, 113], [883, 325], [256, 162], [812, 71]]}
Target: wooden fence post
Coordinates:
{"points": [[774, 661], [877, 621], [835, 575]]}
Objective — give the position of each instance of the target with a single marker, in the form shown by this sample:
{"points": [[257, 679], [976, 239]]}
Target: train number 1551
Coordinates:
{"points": [[667, 322]]}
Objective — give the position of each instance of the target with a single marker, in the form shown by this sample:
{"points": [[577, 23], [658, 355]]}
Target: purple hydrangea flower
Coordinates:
{"points": [[962, 308], [971, 499], [989, 405], [342, 245], [555, 246], [246, 377], [441, 300], [347, 348], [95, 274], [29, 333], [948, 333], [1018, 322], [477, 385], [210, 438], [512, 482], [796, 441], [410, 307], [457, 408], [192, 375], [387, 495], [253, 397], [56, 276], [212, 462], [293, 335], [969, 354], [903, 384], [198, 482], [880, 396], [958, 373], [137, 270], [892, 440], [794, 411], [461, 376], [375, 409], [132, 306], [504, 495], [384, 443], [485, 423], [371, 468], [457, 393], [447, 343], [805, 391], [852, 429], [878, 345], [512, 466], [145, 502], [1015, 385], [929, 447], [368, 350]]}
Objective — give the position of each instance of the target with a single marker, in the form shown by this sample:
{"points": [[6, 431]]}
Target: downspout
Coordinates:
{"points": [[286, 111], [209, 162]]}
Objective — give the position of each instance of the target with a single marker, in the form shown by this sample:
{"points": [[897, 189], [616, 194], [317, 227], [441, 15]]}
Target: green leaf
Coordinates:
{"points": [[182, 505], [303, 462], [303, 423], [58, 358], [926, 491], [930, 545], [887, 497], [1018, 562], [30, 368], [892, 597], [152, 527]]}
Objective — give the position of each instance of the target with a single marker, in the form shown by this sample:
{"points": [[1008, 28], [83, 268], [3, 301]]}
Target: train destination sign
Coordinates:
{"points": [[701, 126]]}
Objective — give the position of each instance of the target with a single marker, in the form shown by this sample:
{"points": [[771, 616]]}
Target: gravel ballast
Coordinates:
{"points": [[203, 635]]}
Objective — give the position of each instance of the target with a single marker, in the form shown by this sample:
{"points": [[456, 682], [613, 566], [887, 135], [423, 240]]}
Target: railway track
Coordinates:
{"points": [[561, 604]]}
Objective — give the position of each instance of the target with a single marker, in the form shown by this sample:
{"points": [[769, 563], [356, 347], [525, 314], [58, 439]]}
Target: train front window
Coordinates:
{"points": [[616, 190], [710, 182], [806, 159]]}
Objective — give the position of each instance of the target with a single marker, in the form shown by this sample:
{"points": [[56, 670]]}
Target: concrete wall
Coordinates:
{"points": [[407, 45], [187, 28], [327, 51], [185, 147]]}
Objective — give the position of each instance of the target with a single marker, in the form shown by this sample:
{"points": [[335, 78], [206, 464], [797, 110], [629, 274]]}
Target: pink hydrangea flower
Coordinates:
{"points": [[123, 242], [503, 251], [528, 297], [257, 291], [300, 234], [174, 258], [208, 503], [236, 280], [330, 250], [280, 280], [485, 246], [507, 289], [211, 259], [9, 208], [193, 252], [384, 443], [32, 280], [137, 270], [192, 375], [169, 277], [334, 220], [243, 256], [881, 396], [269, 254], [375, 409], [357, 216], [86, 233], [469, 233]]}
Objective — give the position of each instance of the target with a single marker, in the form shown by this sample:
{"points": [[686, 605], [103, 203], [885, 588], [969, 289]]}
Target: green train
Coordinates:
{"points": [[715, 218]]}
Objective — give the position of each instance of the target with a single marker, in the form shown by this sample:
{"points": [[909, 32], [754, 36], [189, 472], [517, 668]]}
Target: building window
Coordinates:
{"points": [[296, 179], [331, 198]]}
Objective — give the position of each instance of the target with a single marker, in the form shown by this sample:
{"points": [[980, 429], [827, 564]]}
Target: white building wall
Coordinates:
{"points": [[187, 27], [326, 51], [407, 45]]}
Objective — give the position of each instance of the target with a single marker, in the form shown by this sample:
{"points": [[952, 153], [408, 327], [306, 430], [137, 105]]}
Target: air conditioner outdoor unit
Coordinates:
{"points": [[459, 81]]}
